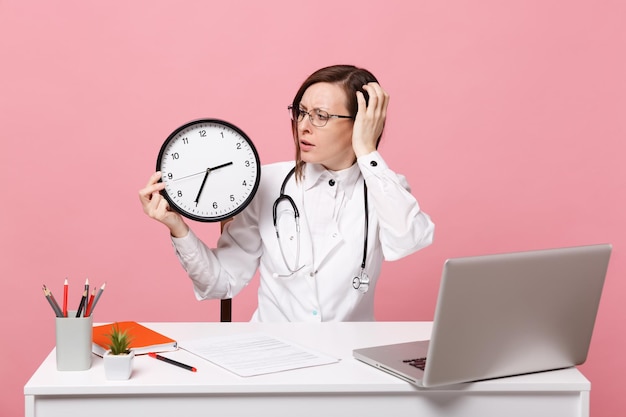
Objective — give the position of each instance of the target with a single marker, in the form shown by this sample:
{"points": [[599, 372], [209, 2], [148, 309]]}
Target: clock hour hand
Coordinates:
{"points": [[221, 166]]}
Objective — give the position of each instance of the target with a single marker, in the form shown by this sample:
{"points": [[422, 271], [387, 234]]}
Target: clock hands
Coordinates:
{"points": [[208, 170], [202, 172], [206, 175], [221, 166]]}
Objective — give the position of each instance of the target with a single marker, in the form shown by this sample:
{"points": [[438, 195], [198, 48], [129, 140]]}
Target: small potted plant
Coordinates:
{"points": [[118, 360]]}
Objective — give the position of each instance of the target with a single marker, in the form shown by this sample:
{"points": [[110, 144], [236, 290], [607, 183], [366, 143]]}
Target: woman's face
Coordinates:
{"points": [[330, 145]]}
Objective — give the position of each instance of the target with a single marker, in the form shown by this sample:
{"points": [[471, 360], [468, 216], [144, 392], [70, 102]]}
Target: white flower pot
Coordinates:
{"points": [[118, 367]]}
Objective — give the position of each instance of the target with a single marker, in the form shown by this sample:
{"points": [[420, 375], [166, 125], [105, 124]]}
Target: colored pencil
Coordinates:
{"points": [[83, 299], [65, 291], [52, 301], [90, 303], [93, 307]]}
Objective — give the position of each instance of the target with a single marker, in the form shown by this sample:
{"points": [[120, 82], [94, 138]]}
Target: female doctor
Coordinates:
{"points": [[318, 228]]}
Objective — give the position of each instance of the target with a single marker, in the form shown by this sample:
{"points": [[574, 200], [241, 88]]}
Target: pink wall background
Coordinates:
{"points": [[508, 118]]}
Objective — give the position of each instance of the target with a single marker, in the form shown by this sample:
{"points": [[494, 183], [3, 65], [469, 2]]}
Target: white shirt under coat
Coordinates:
{"points": [[331, 206]]}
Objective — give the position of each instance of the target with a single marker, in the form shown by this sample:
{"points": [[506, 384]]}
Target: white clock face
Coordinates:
{"points": [[210, 168]]}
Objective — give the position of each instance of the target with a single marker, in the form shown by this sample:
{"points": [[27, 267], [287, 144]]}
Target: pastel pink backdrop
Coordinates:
{"points": [[507, 118]]}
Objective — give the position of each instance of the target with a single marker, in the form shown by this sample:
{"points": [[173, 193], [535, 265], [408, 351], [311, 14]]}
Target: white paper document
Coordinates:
{"points": [[252, 354]]}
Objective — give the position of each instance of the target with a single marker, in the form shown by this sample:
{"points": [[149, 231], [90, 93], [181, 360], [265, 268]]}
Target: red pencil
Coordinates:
{"points": [[90, 303], [65, 288]]}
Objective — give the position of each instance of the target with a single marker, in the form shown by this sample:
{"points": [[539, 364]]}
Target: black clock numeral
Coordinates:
{"points": [[222, 133], [202, 133], [170, 175], [247, 163], [215, 205], [244, 183], [238, 145], [232, 197], [185, 141], [179, 193], [175, 155]]}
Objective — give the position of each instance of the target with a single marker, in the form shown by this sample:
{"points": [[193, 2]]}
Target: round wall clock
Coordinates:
{"points": [[210, 168]]}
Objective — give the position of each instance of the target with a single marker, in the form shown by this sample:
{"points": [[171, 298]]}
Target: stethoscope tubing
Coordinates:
{"points": [[360, 282]]}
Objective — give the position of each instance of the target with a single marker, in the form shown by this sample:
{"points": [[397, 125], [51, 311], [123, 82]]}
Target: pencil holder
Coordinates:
{"points": [[73, 342]]}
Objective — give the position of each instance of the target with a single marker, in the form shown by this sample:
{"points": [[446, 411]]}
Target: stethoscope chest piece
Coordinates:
{"points": [[361, 282]]}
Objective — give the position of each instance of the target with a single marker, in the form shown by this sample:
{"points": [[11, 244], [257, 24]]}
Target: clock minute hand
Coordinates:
{"points": [[206, 175]]}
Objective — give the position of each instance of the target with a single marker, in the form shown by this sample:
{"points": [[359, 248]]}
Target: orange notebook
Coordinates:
{"points": [[144, 340]]}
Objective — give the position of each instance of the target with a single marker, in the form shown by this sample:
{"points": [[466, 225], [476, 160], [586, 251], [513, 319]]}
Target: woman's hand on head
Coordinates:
{"points": [[370, 119], [157, 207]]}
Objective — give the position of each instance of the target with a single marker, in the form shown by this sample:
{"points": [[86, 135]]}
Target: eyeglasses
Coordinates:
{"points": [[317, 117]]}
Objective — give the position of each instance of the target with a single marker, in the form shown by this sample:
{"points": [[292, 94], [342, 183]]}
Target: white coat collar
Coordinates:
{"points": [[346, 178]]}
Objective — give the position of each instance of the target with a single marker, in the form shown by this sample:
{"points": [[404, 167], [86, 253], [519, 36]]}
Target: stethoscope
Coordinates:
{"points": [[360, 282]]}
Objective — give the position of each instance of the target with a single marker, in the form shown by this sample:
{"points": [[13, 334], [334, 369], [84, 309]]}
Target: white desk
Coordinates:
{"points": [[347, 388]]}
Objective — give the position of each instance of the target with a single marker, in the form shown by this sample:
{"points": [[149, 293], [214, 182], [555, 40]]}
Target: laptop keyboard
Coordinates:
{"points": [[419, 363]]}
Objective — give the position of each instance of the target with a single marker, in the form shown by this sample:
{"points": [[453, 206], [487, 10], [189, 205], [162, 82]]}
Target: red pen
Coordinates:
{"points": [[65, 288], [172, 361]]}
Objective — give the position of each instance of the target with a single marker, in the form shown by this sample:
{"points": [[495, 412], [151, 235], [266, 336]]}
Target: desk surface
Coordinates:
{"points": [[155, 378], [334, 339]]}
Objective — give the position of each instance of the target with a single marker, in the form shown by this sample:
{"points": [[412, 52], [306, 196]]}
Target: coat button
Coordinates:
{"points": [[331, 183], [374, 163]]}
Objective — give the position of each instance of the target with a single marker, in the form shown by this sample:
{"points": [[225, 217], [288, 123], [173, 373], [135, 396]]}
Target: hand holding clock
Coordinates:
{"points": [[156, 207], [173, 192]]}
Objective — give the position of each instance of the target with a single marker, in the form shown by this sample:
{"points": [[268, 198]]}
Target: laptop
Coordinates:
{"points": [[503, 315]]}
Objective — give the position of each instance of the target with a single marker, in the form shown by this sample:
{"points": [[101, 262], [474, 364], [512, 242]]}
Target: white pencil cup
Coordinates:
{"points": [[73, 342]]}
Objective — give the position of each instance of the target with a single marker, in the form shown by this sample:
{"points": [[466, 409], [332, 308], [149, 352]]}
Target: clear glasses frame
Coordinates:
{"points": [[318, 117]]}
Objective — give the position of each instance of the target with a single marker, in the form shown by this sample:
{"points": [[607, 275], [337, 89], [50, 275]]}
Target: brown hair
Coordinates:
{"points": [[348, 77]]}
